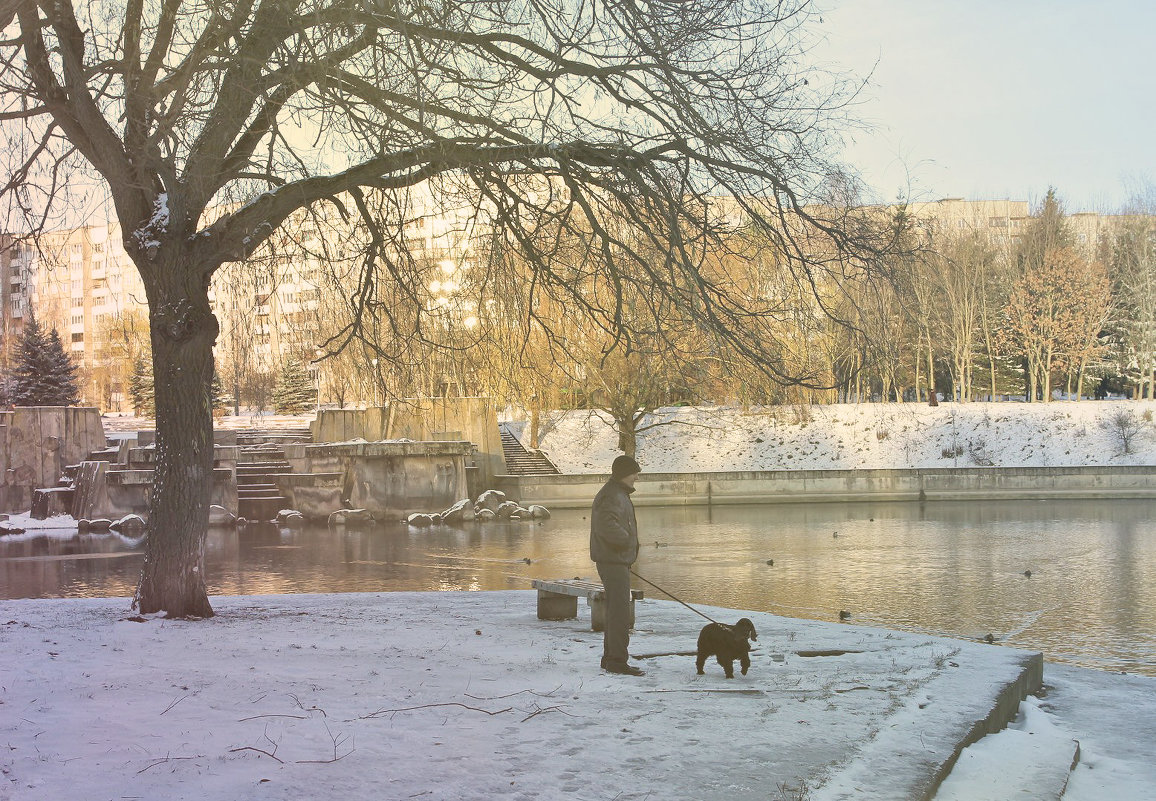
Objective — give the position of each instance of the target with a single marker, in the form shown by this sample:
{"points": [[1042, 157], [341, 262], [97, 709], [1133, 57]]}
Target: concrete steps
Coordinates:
{"points": [[520, 461], [1031, 759], [260, 461]]}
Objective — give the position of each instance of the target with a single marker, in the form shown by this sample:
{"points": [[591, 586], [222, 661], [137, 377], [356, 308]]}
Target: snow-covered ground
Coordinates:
{"points": [[468, 696], [461, 696], [862, 436]]}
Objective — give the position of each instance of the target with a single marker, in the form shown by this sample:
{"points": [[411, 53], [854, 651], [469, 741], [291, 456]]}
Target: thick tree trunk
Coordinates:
{"points": [[183, 332], [930, 367], [627, 436]]}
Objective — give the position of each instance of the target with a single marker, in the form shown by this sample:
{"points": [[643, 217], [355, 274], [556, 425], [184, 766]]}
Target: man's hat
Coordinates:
{"points": [[624, 466]]}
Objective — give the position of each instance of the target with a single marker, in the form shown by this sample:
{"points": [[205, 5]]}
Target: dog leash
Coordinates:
{"points": [[675, 597]]}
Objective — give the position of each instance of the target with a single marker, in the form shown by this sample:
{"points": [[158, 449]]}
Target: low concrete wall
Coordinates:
{"points": [[315, 495], [804, 486], [37, 443], [111, 491], [389, 478], [422, 419]]}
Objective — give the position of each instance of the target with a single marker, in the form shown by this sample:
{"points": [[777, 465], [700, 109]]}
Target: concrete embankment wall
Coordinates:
{"points": [[806, 486], [37, 443]]}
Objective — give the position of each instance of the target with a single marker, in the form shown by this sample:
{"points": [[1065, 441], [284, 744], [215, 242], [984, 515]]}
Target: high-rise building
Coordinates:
{"points": [[285, 300]]}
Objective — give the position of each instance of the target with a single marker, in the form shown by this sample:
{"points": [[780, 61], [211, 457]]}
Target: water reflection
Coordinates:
{"points": [[948, 568]]}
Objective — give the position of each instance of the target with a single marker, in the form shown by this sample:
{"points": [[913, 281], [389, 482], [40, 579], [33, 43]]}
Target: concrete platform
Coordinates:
{"points": [[470, 696]]}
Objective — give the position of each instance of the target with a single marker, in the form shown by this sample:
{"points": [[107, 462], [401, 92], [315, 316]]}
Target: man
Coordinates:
{"points": [[613, 548]]}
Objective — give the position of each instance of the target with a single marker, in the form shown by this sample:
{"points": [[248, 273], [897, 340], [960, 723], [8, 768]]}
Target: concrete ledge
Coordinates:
{"points": [[390, 479], [936, 722], [841, 486], [1005, 707], [315, 495]]}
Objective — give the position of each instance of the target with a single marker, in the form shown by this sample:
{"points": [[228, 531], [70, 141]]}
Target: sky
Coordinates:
{"points": [[1000, 98]]}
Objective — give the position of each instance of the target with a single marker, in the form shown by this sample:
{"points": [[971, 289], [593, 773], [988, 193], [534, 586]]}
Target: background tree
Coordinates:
{"points": [[44, 374], [118, 341], [960, 265], [1088, 318], [140, 387], [1131, 253], [1047, 232], [295, 391], [1055, 313], [217, 394], [211, 126]]}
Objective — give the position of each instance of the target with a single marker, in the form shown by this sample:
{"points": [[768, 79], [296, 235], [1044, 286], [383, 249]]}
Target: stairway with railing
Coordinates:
{"points": [[522, 461]]}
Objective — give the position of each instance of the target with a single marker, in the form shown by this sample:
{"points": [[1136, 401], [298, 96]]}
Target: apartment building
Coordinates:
{"points": [[287, 299]]}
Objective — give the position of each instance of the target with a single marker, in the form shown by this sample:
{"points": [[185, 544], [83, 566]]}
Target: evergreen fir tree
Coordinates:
{"points": [[28, 368], [216, 392], [60, 382], [140, 387], [7, 387], [294, 392], [44, 374]]}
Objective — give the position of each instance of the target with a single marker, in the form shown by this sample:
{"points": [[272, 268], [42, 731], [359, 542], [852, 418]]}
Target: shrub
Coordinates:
{"points": [[1126, 426]]}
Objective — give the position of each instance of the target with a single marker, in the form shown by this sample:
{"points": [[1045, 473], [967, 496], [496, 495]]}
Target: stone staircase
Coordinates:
{"points": [[520, 461], [260, 460]]}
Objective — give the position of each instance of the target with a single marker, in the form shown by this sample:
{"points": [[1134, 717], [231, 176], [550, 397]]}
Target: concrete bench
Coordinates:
{"points": [[558, 600]]}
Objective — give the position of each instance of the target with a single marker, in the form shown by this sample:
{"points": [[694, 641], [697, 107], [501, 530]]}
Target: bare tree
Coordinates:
{"points": [[961, 265], [211, 124]]}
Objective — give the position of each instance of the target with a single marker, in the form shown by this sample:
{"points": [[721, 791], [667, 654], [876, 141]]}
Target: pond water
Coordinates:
{"points": [[957, 569]]}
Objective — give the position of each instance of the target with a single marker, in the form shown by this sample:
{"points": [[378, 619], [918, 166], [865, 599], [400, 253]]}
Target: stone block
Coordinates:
{"points": [[315, 495], [39, 442], [555, 606], [598, 613], [91, 497], [51, 502]]}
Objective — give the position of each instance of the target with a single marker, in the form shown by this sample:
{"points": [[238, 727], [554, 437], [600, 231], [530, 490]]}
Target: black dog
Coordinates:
{"points": [[728, 643]]}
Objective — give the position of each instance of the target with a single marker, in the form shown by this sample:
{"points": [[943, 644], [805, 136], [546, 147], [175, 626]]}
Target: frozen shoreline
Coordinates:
{"points": [[468, 696]]}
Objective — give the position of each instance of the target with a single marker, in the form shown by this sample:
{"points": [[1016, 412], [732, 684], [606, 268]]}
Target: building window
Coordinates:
{"points": [[78, 336]]}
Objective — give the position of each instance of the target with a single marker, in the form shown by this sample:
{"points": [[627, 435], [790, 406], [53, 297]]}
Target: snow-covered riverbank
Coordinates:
{"points": [[468, 696], [862, 436]]}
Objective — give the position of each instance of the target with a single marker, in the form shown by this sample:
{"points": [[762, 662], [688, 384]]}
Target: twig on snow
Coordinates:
{"points": [[163, 761], [381, 712], [338, 741], [302, 706], [511, 695], [174, 703], [539, 710], [258, 750]]}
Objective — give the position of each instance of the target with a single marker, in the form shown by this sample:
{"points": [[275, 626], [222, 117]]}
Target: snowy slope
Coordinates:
{"points": [[861, 436]]}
